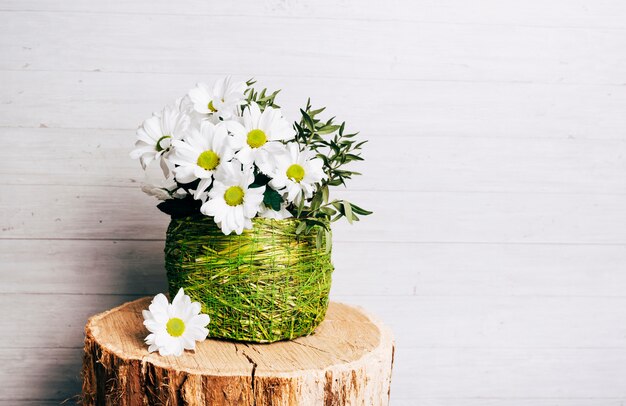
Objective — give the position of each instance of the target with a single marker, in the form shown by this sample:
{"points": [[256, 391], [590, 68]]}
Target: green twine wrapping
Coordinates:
{"points": [[265, 285]]}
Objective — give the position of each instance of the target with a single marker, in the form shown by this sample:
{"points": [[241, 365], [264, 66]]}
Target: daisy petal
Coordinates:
{"points": [[174, 327]]}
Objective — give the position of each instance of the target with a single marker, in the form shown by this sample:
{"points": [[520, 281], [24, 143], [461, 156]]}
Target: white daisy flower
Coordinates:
{"points": [[221, 100], [163, 188], [231, 201], [155, 135], [269, 213], [296, 174], [200, 153], [158, 191], [259, 136], [174, 327]]}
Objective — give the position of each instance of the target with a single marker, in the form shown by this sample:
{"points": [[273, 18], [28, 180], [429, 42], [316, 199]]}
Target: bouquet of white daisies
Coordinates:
{"points": [[227, 151]]}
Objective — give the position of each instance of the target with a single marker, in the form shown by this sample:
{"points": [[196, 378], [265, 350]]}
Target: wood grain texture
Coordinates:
{"points": [[443, 217], [428, 163], [347, 360], [496, 170], [556, 14], [436, 108], [432, 269], [480, 374], [520, 49]]}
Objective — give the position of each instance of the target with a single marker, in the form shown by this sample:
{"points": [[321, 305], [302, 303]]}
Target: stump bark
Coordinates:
{"points": [[347, 361]]}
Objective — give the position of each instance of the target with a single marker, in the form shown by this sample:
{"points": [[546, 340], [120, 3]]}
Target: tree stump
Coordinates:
{"points": [[347, 361]]}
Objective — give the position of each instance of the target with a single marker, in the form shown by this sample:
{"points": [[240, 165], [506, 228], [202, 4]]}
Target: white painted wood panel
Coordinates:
{"points": [[558, 375], [362, 268], [556, 13], [94, 212], [402, 50], [375, 107], [424, 163], [48, 374], [496, 169]]}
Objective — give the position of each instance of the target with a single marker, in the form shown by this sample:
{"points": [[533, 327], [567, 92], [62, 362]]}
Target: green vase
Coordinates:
{"points": [[265, 285]]}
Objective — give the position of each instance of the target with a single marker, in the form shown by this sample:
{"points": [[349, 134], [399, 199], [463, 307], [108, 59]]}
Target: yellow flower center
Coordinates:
{"points": [[256, 138], [212, 107], [234, 196], [295, 172], [159, 147], [175, 327], [208, 160]]}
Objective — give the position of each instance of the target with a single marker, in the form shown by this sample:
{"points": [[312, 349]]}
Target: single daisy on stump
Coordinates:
{"points": [[174, 327], [200, 154], [231, 200]]}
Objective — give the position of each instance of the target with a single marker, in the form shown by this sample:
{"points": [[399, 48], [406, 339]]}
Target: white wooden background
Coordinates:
{"points": [[496, 168]]}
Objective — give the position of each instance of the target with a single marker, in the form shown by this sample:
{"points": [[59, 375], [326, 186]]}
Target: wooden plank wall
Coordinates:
{"points": [[496, 169]]}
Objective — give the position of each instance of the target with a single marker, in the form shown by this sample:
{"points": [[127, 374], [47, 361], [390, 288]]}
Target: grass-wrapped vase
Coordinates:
{"points": [[265, 285]]}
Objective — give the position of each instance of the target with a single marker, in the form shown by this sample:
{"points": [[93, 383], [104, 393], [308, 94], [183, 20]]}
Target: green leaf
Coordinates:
{"points": [[260, 179], [325, 193], [329, 241], [353, 157], [318, 223], [300, 208], [318, 241], [178, 208], [348, 209], [301, 227], [328, 211], [272, 198], [359, 210], [328, 129], [316, 112], [308, 121], [316, 202], [335, 182]]}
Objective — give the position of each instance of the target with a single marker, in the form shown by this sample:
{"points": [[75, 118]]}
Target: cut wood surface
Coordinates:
{"points": [[452, 321], [348, 360]]}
